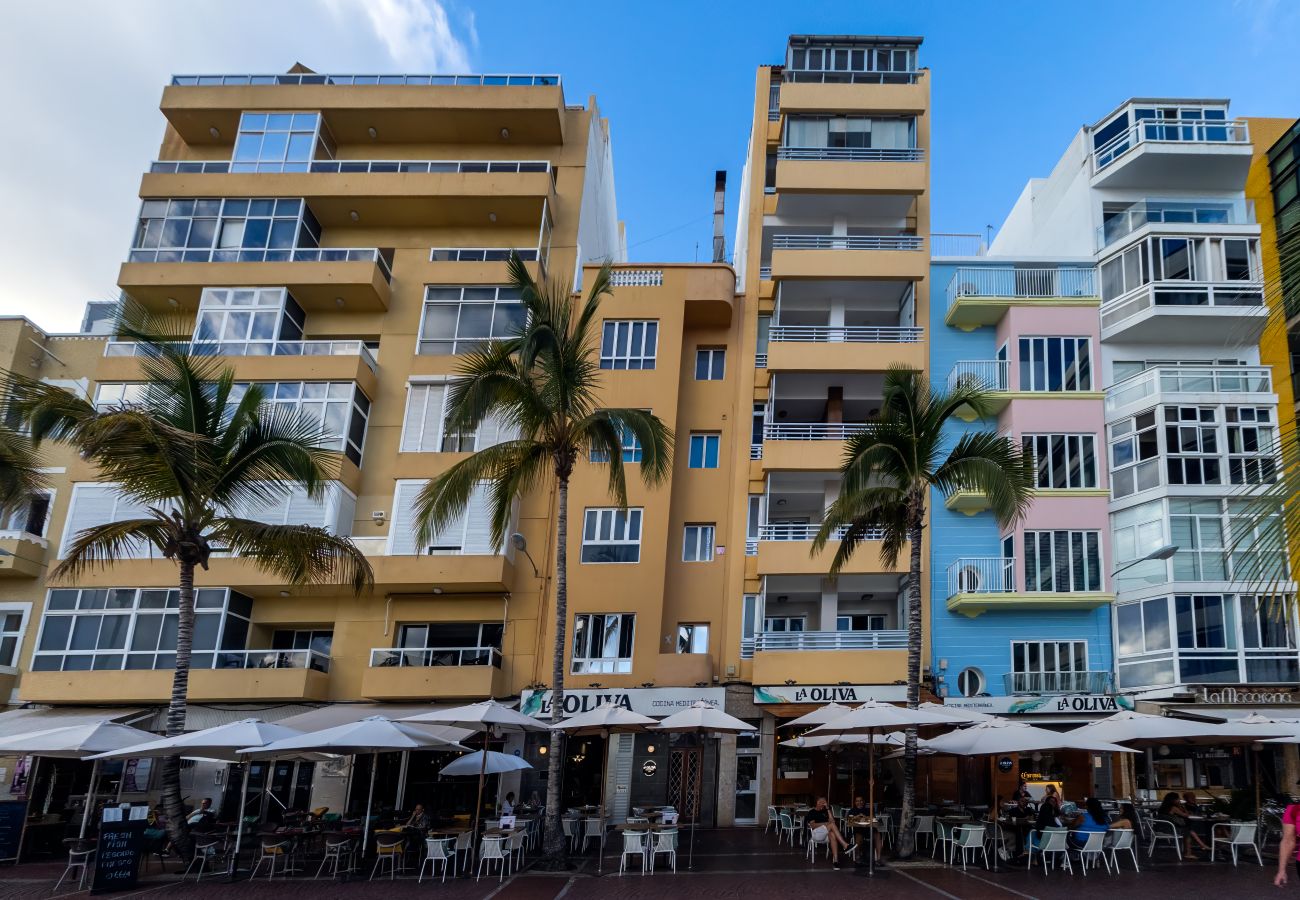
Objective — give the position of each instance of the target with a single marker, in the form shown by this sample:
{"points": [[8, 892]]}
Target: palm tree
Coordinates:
{"points": [[888, 472], [20, 473], [189, 450], [543, 384]]}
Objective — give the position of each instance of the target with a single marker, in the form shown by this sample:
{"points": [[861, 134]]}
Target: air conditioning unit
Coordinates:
{"points": [[969, 580]]}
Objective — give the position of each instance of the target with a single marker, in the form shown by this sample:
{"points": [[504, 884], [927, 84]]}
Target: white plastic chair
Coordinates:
{"points": [[925, 828], [593, 829], [665, 842], [273, 851], [209, 850], [389, 849], [465, 844], [1093, 849], [438, 851], [1053, 844], [1239, 834], [773, 821], [489, 852], [941, 841], [337, 849], [81, 857], [633, 845], [515, 849], [570, 827], [814, 842], [1164, 830], [787, 829], [1123, 839], [969, 839], [886, 826]]}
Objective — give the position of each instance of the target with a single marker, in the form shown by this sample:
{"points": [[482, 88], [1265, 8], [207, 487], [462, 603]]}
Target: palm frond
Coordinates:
{"points": [[101, 545], [445, 498], [20, 470], [994, 467], [299, 554]]}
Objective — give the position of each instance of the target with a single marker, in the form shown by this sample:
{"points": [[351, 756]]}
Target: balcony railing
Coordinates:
{"points": [[830, 640], [272, 659], [636, 278], [943, 244], [806, 531], [853, 154], [1009, 281], [1189, 380], [348, 166], [353, 80], [982, 575], [811, 431], [14, 534], [479, 254], [1176, 295], [255, 348], [986, 374], [1159, 131], [846, 334], [846, 242], [1058, 682], [303, 254], [1173, 212], [386, 657], [818, 76]]}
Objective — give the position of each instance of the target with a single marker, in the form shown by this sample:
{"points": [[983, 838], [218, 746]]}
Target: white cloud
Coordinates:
{"points": [[81, 96]]}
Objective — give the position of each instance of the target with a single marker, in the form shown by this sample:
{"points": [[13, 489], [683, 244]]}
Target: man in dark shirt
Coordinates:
{"points": [[860, 810], [1022, 817], [820, 817]]}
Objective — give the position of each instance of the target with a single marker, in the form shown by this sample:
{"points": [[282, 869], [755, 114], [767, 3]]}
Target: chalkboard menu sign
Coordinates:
{"points": [[121, 842], [12, 814]]}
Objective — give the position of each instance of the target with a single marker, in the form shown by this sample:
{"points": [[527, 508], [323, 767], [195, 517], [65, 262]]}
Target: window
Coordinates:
{"points": [[1143, 627], [971, 682], [129, 628], [1236, 260], [1265, 622], [1134, 452], [277, 142], [704, 451], [13, 624], [1191, 445], [446, 644], [602, 643], [1055, 364], [1256, 553], [1251, 445], [246, 321], [469, 534], [784, 624], [1049, 666], [338, 408], [629, 344], [850, 132], [1196, 528], [462, 319], [860, 622], [692, 638], [1062, 561], [1202, 622], [710, 363], [30, 518], [317, 641], [1062, 460], [425, 429], [631, 447], [697, 545], [611, 535], [230, 230], [885, 64]]}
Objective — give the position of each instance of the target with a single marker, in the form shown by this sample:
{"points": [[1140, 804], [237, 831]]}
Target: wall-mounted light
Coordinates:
{"points": [[505, 134], [372, 132], [354, 215], [542, 750], [173, 302], [215, 132], [284, 593], [338, 301], [437, 590], [492, 217], [650, 748]]}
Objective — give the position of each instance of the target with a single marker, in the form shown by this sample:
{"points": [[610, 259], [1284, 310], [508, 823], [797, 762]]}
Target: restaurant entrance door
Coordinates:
{"points": [[685, 771], [747, 767]]}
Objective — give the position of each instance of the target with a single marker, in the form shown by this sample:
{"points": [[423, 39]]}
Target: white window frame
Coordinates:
{"points": [[624, 347], [711, 357], [697, 542], [504, 295], [704, 437], [696, 635], [9, 520], [1078, 581], [1075, 445], [283, 164], [7, 609], [1082, 349], [489, 433], [602, 665], [787, 621], [614, 521]]}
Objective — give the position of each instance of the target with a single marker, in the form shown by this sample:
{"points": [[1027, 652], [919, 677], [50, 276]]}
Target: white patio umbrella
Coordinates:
{"points": [[1266, 723], [701, 718], [963, 716], [372, 735], [604, 720], [872, 718], [76, 742], [1001, 736], [819, 716], [484, 761], [223, 742], [486, 716]]}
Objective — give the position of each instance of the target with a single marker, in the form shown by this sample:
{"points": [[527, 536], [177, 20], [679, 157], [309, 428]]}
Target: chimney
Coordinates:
{"points": [[719, 198]]}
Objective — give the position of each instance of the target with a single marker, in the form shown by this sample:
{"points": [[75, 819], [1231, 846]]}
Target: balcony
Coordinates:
{"points": [[1173, 216], [1192, 384], [900, 93], [839, 347], [318, 277], [786, 549], [403, 109], [1187, 312], [453, 572], [981, 295], [22, 555], [951, 244], [830, 640], [842, 170], [1058, 682], [451, 673], [1183, 155], [867, 256], [993, 376], [977, 585]]}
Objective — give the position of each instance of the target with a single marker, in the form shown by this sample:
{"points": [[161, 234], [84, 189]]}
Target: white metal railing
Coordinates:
{"points": [[1120, 224], [272, 659], [755, 451], [14, 534], [820, 76], [760, 360], [379, 546], [751, 547], [1160, 131], [480, 254], [806, 531], [846, 242], [846, 334], [830, 640], [365, 79], [982, 575], [952, 244], [636, 278], [1179, 295], [764, 273], [811, 431], [853, 154], [1082, 682], [350, 166], [424, 657], [255, 348], [986, 374], [1189, 380], [1012, 281], [300, 254]]}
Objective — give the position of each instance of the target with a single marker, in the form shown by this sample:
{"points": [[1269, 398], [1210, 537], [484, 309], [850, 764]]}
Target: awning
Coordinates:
{"points": [[344, 713], [1232, 713], [198, 718], [39, 718]]}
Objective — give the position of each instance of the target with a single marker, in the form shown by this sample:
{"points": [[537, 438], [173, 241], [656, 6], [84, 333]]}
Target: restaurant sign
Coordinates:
{"points": [[646, 701], [1247, 697], [1050, 704], [844, 694]]}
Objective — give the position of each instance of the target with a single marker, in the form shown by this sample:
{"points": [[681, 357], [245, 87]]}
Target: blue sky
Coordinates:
{"points": [[1011, 84]]}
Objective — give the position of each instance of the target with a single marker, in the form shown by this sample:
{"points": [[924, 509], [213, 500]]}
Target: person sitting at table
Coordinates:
{"points": [[1048, 817], [419, 819], [860, 810], [201, 816], [1172, 810], [1093, 818], [1053, 796], [1022, 816], [820, 817], [1128, 817], [1022, 790], [508, 804]]}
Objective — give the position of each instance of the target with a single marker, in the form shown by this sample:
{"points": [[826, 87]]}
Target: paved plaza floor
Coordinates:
{"points": [[743, 864]]}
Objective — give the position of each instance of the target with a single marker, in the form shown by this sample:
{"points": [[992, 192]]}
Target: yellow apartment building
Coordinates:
{"points": [[342, 239]]}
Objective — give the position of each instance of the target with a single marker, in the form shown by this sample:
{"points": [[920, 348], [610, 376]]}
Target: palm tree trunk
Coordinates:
{"points": [[172, 805], [907, 833], [554, 844]]}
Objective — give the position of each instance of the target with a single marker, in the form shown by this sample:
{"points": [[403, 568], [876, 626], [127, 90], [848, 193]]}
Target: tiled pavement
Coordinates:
{"points": [[742, 864]]}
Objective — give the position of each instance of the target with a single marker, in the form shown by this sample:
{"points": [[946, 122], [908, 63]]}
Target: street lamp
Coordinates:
{"points": [[521, 544], [1165, 552]]}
